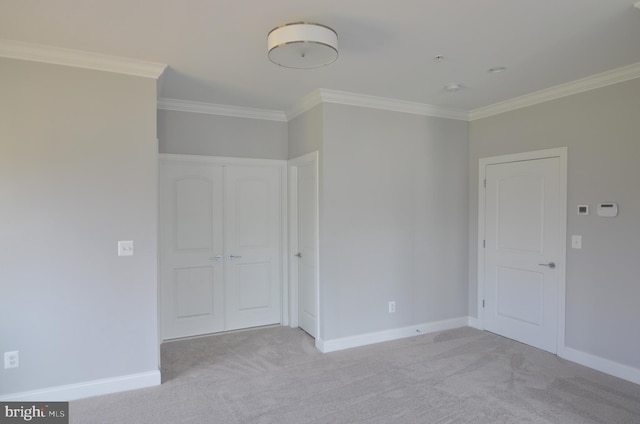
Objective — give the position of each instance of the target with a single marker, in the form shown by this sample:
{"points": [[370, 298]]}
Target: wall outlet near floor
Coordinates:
{"points": [[11, 359], [392, 307]]}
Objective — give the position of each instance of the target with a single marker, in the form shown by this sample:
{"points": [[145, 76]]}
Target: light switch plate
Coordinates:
{"points": [[125, 248]]}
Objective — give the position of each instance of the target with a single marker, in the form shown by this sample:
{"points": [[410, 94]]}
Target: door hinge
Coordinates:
{"points": [[485, 183], [484, 243], [483, 303]]}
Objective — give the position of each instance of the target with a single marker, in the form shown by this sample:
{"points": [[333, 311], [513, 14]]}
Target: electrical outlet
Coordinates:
{"points": [[576, 242], [392, 307], [11, 359], [125, 248]]}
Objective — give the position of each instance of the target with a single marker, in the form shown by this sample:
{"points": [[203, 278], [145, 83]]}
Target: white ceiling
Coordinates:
{"points": [[216, 50]]}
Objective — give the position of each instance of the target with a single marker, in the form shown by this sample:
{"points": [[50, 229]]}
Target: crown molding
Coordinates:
{"points": [[603, 79], [306, 103], [352, 99], [223, 110], [384, 103], [79, 59]]}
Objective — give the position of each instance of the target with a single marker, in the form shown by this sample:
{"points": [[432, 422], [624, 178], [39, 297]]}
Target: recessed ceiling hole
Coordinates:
{"points": [[498, 69], [454, 86]]}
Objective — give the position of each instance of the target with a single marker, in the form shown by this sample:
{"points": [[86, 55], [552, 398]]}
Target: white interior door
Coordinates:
{"points": [[524, 238], [252, 246], [191, 274], [307, 208]]}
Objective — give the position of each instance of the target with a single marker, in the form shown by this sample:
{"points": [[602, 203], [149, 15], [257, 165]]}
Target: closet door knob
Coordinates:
{"points": [[232, 257], [550, 265], [216, 258]]}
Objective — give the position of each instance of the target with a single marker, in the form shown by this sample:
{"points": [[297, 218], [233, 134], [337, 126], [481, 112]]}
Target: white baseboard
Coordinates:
{"points": [[326, 346], [598, 363], [87, 389], [606, 366], [474, 323]]}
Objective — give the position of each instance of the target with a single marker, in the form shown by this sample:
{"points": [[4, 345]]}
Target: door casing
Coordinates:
{"points": [[562, 154]]}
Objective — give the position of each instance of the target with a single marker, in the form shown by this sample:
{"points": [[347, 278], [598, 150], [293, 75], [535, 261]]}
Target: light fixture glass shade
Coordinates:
{"points": [[302, 45]]}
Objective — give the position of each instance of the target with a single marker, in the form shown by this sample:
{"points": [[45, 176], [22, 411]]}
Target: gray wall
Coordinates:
{"points": [[212, 135], [77, 173], [305, 132], [394, 220], [602, 130]]}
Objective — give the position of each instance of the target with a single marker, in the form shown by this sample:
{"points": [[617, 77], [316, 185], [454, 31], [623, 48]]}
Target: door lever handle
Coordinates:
{"points": [[551, 265], [298, 255], [216, 258], [232, 257]]}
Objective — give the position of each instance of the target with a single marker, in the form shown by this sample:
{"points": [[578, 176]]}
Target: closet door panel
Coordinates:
{"points": [[252, 207], [191, 236]]}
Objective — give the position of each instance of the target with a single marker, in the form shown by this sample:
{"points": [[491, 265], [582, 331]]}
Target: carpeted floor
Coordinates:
{"points": [[275, 375]]}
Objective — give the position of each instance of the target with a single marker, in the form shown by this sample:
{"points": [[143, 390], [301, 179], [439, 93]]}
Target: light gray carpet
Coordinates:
{"points": [[275, 375]]}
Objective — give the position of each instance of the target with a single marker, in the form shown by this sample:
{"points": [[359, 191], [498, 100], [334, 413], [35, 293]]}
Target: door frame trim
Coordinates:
{"points": [[293, 165], [562, 154]]}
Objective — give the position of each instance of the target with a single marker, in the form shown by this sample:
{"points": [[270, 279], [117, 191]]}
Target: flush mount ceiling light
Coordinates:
{"points": [[302, 45]]}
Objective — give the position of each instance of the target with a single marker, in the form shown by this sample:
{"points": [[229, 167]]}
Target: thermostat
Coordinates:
{"points": [[608, 209]]}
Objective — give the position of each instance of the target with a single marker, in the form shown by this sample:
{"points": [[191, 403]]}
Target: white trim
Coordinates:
{"points": [[293, 237], [361, 100], [221, 110], [474, 323], [574, 87], [293, 245], [88, 388], [219, 160], [284, 245], [326, 346], [561, 153], [80, 59], [306, 103], [607, 366]]}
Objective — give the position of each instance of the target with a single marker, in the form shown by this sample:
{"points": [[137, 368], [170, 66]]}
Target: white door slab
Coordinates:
{"points": [[524, 239], [307, 196], [191, 286], [252, 207]]}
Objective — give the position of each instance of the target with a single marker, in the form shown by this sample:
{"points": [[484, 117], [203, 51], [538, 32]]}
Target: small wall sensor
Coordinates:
{"points": [[583, 210], [608, 209]]}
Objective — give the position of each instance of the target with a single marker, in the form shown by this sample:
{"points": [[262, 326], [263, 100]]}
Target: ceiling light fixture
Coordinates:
{"points": [[302, 45]]}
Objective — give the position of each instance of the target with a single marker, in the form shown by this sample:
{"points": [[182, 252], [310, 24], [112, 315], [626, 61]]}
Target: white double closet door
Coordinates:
{"points": [[220, 246]]}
